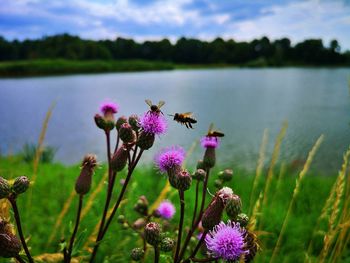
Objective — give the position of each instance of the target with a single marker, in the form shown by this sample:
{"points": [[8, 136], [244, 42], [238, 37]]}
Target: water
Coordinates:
{"points": [[241, 102]]}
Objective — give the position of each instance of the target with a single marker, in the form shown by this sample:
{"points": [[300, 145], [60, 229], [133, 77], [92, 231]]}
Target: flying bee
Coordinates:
{"points": [[214, 133], [155, 108], [185, 118]]}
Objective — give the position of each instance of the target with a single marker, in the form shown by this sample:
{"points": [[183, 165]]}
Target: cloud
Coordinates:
{"points": [[156, 19]]}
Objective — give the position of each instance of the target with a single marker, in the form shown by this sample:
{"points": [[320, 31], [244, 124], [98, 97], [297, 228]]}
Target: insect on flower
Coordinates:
{"points": [[155, 108], [185, 118], [214, 133]]}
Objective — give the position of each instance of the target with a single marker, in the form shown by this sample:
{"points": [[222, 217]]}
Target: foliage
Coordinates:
{"points": [[29, 151]]}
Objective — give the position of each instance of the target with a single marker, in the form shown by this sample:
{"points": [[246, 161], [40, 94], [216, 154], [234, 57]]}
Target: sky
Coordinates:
{"points": [[157, 19]]}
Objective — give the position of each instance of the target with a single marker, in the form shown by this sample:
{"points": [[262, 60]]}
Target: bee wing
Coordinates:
{"points": [[161, 103], [211, 127], [187, 114], [149, 102]]}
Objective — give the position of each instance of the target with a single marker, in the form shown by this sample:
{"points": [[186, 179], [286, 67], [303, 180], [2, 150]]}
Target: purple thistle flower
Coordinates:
{"points": [[166, 209], [153, 123], [109, 107], [226, 241], [169, 158], [209, 142]]}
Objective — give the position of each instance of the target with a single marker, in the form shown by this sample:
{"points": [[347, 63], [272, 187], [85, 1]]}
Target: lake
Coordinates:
{"points": [[241, 103]]}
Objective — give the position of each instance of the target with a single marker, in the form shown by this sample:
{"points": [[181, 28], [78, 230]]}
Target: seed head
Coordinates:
{"points": [[83, 183]]}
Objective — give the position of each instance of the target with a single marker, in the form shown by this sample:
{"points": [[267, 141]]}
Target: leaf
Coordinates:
{"points": [[78, 244]]}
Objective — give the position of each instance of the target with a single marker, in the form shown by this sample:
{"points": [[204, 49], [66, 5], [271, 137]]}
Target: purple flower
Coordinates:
{"points": [[170, 157], [226, 241], [153, 123], [109, 108], [209, 142], [166, 209]]}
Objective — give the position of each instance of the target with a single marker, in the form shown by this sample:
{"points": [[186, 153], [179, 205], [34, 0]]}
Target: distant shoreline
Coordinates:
{"points": [[54, 67]]}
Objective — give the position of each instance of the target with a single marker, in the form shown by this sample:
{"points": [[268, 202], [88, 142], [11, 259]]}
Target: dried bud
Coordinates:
{"points": [[234, 207], [145, 140], [139, 223], [121, 120], [209, 158], [20, 185], [200, 165], [213, 213], [137, 254], [184, 180], [199, 175], [100, 122], [120, 159], [10, 245], [152, 233], [5, 188], [243, 219], [126, 133], [226, 175], [83, 183], [121, 219], [167, 244], [134, 121], [142, 205]]}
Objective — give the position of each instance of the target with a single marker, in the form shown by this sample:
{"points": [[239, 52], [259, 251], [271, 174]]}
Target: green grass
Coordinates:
{"points": [[56, 181], [61, 66]]}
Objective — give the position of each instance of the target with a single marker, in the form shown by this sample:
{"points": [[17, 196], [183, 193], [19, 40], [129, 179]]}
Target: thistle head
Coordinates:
{"points": [[167, 244], [199, 175], [83, 183], [5, 188], [169, 158], [226, 241], [119, 159], [20, 185], [126, 133], [152, 233], [153, 123], [137, 254], [209, 142], [109, 108], [120, 121], [10, 245], [166, 210], [134, 122], [226, 175], [234, 206]]}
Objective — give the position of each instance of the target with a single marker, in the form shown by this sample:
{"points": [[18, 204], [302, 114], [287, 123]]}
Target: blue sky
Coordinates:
{"points": [[156, 19]]}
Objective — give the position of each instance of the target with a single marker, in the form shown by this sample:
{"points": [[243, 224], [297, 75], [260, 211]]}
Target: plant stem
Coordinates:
{"points": [[199, 244], [12, 200], [77, 221], [156, 254], [19, 259], [195, 204], [182, 214]]}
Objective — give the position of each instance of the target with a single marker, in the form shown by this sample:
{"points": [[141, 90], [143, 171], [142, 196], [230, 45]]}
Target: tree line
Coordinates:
{"points": [[258, 52]]}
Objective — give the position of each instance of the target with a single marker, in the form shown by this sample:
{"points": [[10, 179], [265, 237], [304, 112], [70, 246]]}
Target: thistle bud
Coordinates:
{"points": [[121, 120], [126, 133], [141, 205], [173, 175], [226, 175], [145, 140], [100, 122], [5, 188], [234, 207], [184, 180], [152, 233], [121, 219], [139, 223], [10, 245], [83, 183], [200, 165], [137, 254], [167, 244], [199, 175], [134, 122], [119, 159], [218, 183], [20, 185], [243, 219], [209, 158], [213, 213]]}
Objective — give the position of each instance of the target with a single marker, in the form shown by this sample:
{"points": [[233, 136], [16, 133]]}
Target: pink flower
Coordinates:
{"points": [[109, 108], [209, 142], [169, 158], [166, 209], [153, 123]]}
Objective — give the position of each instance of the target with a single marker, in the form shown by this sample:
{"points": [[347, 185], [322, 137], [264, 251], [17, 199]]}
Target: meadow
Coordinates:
{"points": [[49, 208]]}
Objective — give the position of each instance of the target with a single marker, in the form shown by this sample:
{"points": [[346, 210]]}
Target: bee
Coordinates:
{"points": [[252, 245], [185, 118], [214, 133], [155, 108]]}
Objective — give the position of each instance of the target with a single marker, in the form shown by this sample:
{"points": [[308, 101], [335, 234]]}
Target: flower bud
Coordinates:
{"points": [[5, 188], [83, 183], [200, 165], [213, 213], [226, 175], [184, 180], [134, 122], [137, 254], [218, 183], [121, 120], [209, 158], [145, 140], [233, 207], [126, 133], [142, 205], [100, 122], [20, 185], [173, 175], [119, 159], [139, 223], [167, 244], [121, 219], [152, 233], [199, 175], [243, 219], [10, 245]]}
